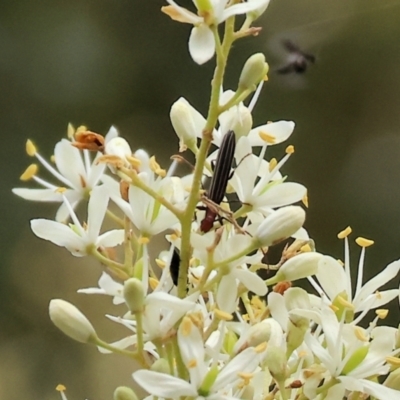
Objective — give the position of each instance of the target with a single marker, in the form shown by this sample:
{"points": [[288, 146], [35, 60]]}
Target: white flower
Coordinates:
{"points": [[201, 41], [351, 355], [109, 287], [74, 170], [76, 238], [146, 213], [335, 280], [193, 354], [264, 194], [237, 271]]}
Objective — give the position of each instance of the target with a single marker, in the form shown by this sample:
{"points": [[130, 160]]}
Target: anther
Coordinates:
{"points": [[344, 233], [29, 173]]}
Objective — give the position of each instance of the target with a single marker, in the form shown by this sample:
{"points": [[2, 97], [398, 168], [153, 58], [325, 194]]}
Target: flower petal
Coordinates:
{"points": [[163, 385], [201, 44]]}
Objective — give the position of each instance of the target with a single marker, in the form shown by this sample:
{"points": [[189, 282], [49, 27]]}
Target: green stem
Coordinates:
{"points": [[139, 332], [128, 244]]}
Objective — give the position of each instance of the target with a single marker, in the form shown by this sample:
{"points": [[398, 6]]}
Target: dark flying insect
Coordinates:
{"points": [[298, 61], [219, 181]]}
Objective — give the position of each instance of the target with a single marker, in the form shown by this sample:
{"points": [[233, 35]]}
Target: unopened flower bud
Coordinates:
{"points": [[393, 380], [277, 363], [71, 321], [254, 70], [280, 225], [124, 393], [298, 267], [119, 147], [183, 117], [134, 295], [296, 330], [161, 365]]}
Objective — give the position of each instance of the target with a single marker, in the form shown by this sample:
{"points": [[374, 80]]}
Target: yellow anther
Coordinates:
{"points": [[135, 162], [302, 354], [192, 363], [378, 295], [246, 317], [394, 361], [270, 139], [29, 173], [265, 79], [382, 313], [360, 334], [154, 165], [60, 388], [186, 326], [342, 301], [305, 200], [81, 128], [70, 131], [246, 376], [256, 302], [362, 242], [306, 248], [53, 159], [61, 190], [344, 233], [161, 264], [153, 282], [340, 262], [173, 237], [333, 308], [30, 148], [261, 347], [144, 240], [222, 315], [289, 149], [272, 164]]}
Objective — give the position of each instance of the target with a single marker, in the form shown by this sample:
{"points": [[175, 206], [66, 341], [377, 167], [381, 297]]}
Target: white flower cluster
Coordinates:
{"points": [[199, 318]]}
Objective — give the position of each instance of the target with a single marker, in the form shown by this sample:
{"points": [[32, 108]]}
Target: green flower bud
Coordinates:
{"points": [[253, 72], [71, 321], [124, 393], [161, 365], [134, 295], [277, 363], [393, 380]]}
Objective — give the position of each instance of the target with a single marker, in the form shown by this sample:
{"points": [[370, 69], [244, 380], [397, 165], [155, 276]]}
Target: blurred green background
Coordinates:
{"points": [[123, 62]]}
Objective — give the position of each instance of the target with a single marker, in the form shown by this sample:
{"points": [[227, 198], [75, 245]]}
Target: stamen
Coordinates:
{"points": [[246, 376], [272, 164], [344, 233], [192, 363], [362, 242], [261, 347], [394, 361], [289, 149], [30, 148], [305, 200], [267, 137], [60, 388], [70, 131], [153, 283], [61, 190], [360, 335], [186, 326], [382, 313], [160, 263], [222, 315], [143, 240], [29, 173], [342, 301]]}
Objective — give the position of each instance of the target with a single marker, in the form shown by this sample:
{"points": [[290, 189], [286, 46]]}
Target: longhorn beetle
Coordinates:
{"points": [[219, 181]]}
